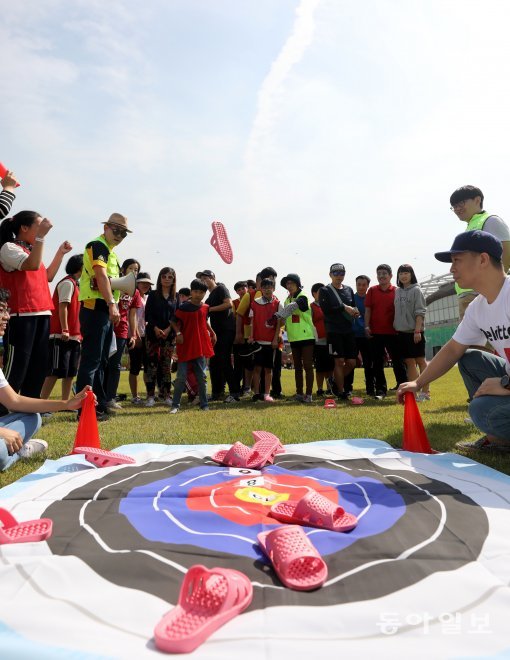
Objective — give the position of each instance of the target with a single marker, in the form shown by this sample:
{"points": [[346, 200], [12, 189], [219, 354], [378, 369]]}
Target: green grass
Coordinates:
{"points": [[292, 422]]}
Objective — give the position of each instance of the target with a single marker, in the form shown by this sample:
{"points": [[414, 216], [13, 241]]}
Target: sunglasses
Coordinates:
{"points": [[338, 272], [118, 232]]}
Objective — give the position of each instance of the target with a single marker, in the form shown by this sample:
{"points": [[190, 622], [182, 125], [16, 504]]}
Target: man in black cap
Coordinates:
{"points": [[467, 204], [222, 319], [476, 258]]}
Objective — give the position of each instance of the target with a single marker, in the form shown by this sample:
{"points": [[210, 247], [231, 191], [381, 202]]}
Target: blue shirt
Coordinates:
{"points": [[359, 323]]}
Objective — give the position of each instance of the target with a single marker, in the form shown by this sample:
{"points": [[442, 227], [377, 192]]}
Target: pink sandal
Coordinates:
{"points": [[103, 457], [330, 403], [220, 242], [357, 401], [266, 447], [314, 510], [11, 531], [207, 600], [294, 558]]}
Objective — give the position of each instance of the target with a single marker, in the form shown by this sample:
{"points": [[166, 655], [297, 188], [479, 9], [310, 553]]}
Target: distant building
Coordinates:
{"points": [[442, 316]]}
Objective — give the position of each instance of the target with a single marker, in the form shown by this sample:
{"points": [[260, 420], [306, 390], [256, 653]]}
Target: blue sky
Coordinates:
{"points": [[316, 130]]}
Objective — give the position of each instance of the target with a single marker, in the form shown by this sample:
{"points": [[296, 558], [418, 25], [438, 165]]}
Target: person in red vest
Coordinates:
{"points": [[23, 273], [65, 334]]}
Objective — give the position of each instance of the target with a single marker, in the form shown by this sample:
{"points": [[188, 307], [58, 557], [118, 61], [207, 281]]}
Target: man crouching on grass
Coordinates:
{"points": [[23, 420], [476, 264]]}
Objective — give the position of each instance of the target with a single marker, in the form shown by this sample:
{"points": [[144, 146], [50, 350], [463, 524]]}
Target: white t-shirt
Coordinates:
{"points": [[488, 322], [3, 381]]}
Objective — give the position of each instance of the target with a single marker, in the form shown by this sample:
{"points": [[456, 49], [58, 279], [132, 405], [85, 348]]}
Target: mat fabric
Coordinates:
{"points": [[428, 563]]}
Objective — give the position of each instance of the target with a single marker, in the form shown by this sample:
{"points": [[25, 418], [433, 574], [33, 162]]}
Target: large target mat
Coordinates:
{"points": [[425, 572]]}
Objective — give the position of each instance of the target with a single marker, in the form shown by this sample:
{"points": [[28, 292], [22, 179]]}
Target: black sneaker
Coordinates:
{"points": [[249, 349], [380, 395], [257, 397], [102, 416]]}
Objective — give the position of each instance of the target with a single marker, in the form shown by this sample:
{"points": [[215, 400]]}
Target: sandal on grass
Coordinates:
{"points": [[207, 600], [295, 559]]}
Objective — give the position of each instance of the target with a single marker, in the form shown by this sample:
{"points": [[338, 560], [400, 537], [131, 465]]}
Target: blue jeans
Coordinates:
{"points": [[26, 424], [491, 414], [199, 365], [97, 334]]}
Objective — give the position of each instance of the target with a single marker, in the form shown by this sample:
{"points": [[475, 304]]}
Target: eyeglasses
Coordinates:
{"points": [[338, 272], [118, 232], [459, 205]]}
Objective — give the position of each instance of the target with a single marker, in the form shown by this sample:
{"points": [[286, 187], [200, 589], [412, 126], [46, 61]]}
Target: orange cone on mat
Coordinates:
{"points": [[87, 434], [414, 436]]}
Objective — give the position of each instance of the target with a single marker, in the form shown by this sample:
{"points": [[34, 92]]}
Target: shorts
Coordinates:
{"points": [[265, 357], [137, 358], [63, 358], [323, 361], [408, 349], [342, 345]]}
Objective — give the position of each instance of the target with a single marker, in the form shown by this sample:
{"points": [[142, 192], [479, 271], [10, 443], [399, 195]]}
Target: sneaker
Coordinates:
{"points": [[485, 445], [150, 402], [168, 401], [247, 391], [32, 447], [113, 405], [344, 396], [174, 411], [204, 409], [47, 415], [298, 397], [193, 401], [250, 349], [420, 397], [268, 398], [102, 416], [257, 397], [137, 401], [232, 399], [380, 395], [307, 398], [214, 397]]}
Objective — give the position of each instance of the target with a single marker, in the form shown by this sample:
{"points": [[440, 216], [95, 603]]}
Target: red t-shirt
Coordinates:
{"points": [[193, 324], [318, 320], [382, 307], [126, 303]]}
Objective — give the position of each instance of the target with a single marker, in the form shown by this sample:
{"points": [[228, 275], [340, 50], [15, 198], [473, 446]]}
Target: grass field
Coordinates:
{"points": [[292, 422]]}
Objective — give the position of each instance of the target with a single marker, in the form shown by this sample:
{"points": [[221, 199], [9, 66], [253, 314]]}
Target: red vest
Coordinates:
{"points": [[73, 312], [318, 320], [264, 325], [246, 317], [29, 289]]}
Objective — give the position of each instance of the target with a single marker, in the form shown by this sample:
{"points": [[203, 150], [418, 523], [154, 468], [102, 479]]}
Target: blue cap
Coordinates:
{"points": [[473, 241]]}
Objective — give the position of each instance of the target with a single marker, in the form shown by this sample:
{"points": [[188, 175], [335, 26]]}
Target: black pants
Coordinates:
{"points": [[97, 332], [364, 347], [26, 353], [220, 365], [391, 344]]}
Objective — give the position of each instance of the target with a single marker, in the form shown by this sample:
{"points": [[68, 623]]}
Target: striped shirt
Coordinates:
{"points": [[6, 200]]}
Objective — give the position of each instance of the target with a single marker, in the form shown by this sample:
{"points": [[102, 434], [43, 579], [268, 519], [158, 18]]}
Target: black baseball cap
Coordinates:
{"points": [[335, 267], [206, 273], [473, 241]]}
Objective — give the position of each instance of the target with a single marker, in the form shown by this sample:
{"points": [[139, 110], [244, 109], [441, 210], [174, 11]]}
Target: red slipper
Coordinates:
{"points": [[314, 510], [207, 600], [103, 457], [237, 456], [330, 403], [294, 558], [220, 242], [263, 451], [357, 401], [11, 531]]}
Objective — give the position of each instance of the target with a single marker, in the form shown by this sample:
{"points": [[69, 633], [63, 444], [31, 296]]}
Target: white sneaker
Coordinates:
{"points": [[33, 447], [136, 401], [113, 405], [149, 402], [174, 411], [168, 401]]}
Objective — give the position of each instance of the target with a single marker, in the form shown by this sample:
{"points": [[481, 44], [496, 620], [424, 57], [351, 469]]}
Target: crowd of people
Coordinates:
{"points": [[83, 330]]}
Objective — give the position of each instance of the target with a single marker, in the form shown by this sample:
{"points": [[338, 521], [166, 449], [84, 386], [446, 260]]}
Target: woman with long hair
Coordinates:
{"points": [[159, 312], [410, 308], [23, 273]]}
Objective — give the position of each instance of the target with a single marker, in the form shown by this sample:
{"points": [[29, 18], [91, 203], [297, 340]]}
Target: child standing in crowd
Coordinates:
{"points": [[24, 275], [65, 333], [125, 334], [265, 331], [410, 308], [362, 343], [191, 380], [159, 313], [297, 317], [243, 364], [194, 341], [324, 363], [137, 353]]}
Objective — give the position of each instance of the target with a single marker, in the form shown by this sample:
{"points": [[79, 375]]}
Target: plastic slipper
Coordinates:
{"points": [[330, 403], [11, 531], [294, 558], [357, 401], [266, 435], [220, 242], [314, 510], [236, 456], [207, 600], [103, 457]]}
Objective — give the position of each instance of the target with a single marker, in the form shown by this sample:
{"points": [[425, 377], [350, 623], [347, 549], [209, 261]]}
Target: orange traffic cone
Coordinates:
{"points": [[87, 434], [414, 436]]}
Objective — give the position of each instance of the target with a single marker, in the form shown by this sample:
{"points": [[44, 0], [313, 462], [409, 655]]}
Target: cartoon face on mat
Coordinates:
{"points": [[143, 526]]}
